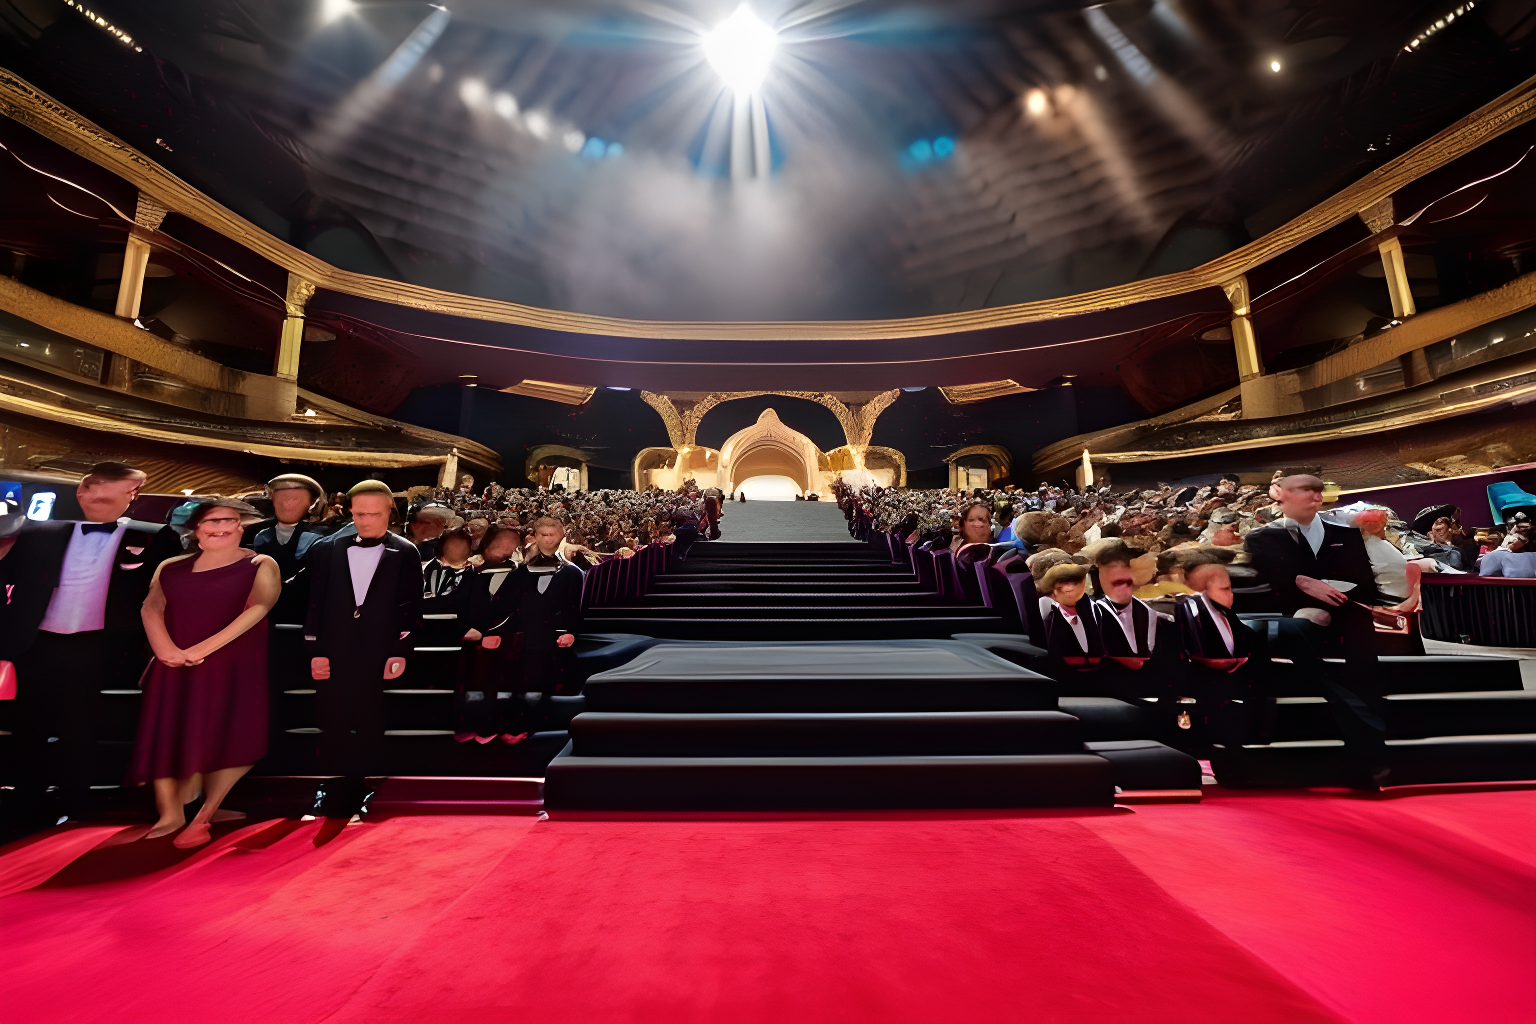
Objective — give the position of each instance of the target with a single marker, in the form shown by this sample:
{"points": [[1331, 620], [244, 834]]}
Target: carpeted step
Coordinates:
{"points": [[1417, 715], [782, 571], [1425, 673], [797, 598], [804, 783], [817, 628], [1147, 764], [1458, 713], [820, 610], [1105, 718], [1327, 762], [707, 585], [803, 734], [935, 675]]}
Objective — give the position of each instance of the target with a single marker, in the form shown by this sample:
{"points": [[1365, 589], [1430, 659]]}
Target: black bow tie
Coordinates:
{"points": [[86, 528], [369, 542]]}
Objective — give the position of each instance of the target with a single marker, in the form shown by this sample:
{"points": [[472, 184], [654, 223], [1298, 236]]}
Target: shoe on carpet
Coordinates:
{"points": [[195, 834]]}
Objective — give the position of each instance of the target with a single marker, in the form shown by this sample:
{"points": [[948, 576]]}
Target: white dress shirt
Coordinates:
{"points": [[1127, 618], [1313, 532], [363, 562], [1222, 625], [79, 603], [284, 532]]}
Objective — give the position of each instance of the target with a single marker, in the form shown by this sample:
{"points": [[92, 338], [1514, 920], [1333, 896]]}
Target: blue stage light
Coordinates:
{"points": [[594, 148], [921, 150], [943, 146], [615, 149]]}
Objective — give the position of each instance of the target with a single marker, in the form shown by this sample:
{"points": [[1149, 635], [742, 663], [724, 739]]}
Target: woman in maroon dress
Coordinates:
{"points": [[205, 694]]}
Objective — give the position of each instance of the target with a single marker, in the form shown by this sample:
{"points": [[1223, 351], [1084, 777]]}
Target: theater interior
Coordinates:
{"points": [[761, 302]]}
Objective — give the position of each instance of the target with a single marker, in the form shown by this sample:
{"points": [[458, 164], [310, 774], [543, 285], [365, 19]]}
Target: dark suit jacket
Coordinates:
{"points": [[1115, 644], [1280, 554], [1060, 639], [366, 639], [31, 571], [293, 605], [1201, 638]]}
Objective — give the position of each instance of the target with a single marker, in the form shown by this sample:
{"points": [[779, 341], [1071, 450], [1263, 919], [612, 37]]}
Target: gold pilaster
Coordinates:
{"points": [[300, 292], [130, 289], [1397, 278], [1250, 361]]}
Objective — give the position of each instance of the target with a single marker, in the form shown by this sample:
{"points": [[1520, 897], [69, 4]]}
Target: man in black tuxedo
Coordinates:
{"points": [[72, 629], [364, 593], [1297, 555]]}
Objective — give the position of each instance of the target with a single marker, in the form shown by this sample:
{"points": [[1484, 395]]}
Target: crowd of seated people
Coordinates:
{"points": [[233, 600], [1136, 589]]}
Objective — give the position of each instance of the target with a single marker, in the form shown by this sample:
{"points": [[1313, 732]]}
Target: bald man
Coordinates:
{"points": [[1297, 555]]}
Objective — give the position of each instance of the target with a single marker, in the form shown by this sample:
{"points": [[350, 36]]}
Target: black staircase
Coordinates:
{"points": [[831, 682], [740, 591]]}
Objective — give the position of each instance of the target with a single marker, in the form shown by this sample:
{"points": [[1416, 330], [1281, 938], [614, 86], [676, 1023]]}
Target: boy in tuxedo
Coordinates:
{"points": [[364, 592], [72, 629], [1298, 555], [1128, 626], [1229, 671], [1071, 631]]}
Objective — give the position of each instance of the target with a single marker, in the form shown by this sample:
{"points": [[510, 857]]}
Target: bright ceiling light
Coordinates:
{"points": [[740, 49], [1275, 66], [330, 10], [1035, 101], [472, 91], [505, 105]]}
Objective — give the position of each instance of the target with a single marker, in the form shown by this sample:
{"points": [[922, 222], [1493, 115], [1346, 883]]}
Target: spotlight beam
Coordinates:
{"points": [[740, 49]]}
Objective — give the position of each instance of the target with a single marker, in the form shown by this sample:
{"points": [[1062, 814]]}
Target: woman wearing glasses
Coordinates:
{"points": [[204, 719]]}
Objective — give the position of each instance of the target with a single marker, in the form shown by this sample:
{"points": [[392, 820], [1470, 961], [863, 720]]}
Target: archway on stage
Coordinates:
{"points": [[769, 487], [769, 448]]}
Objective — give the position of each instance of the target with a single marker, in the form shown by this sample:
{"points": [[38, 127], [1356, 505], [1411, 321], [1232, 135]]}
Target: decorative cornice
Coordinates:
{"points": [[965, 394], [566, 394], [997, 451], [28, 105], [858, 421]]}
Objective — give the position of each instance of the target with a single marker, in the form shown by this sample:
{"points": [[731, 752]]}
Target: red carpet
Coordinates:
{"points": [[1272, 907]]}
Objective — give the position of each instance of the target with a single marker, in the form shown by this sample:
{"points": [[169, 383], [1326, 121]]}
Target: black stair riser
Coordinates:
{"points": [[801, 734], [1047, 780]]}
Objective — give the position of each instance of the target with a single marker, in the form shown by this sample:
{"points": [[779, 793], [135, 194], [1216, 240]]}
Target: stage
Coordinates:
{"points": [[1418, 905]]}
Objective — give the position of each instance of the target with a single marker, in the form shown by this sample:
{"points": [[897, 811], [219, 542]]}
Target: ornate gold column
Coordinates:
{"points": [[1381, 217], [1250, 361], [300, 292], [147, 218]]}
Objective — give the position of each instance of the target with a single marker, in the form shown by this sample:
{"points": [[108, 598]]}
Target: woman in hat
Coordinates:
{"points": [[205, 695]]}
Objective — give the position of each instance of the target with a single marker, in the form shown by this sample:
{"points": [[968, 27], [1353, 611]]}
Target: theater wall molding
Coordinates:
{"points": [[994, 329], [1264, 409], [75, 380]]}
